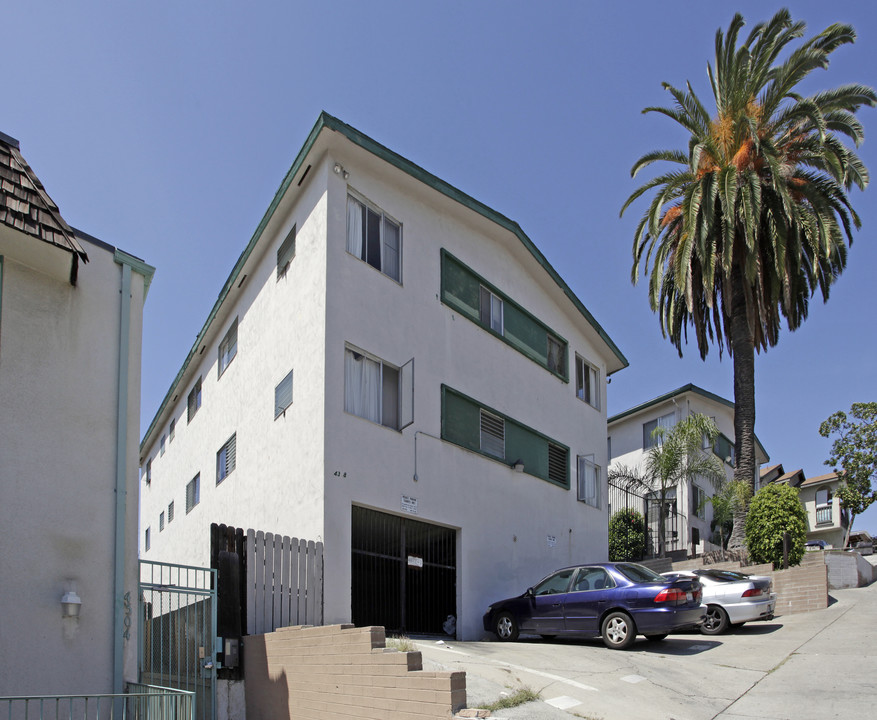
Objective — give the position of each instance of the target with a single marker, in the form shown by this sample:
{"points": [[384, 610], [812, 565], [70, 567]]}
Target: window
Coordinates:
{"points": [[161, 521], [373, 237], [378, 391], [587, 385], [554, 584], [170, 512], [483, 430], [228, 348], [592, 578], [491, 310], [698, 502], [173, 429], [163, 441], [193, 493], [588, 473], [724, 448], [226, 459], [283, 395], [492, 434], [194, 400], [147, 539], [476, 299], [665, 421], [149, 471], [285, 253]]}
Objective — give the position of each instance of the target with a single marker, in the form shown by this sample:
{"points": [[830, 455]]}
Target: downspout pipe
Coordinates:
{"points": [[121, 480]]}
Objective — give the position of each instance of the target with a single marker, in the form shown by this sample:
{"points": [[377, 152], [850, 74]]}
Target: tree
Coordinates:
{"points": [[726, 502], [854, 457], [676, 458], [627, 536], [756, 216], [775, 510]]}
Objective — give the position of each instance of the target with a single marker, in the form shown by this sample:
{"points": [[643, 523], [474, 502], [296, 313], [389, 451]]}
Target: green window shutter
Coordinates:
{"points": [[461, 289], [461, 420]]}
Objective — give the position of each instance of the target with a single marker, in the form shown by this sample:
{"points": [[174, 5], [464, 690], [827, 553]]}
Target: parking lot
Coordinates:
{"points": [[809, 665]]}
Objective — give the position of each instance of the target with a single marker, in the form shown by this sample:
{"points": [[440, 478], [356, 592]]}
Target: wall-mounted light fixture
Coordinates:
{"points": [[518, 465], [339, 170], [71, 603]]}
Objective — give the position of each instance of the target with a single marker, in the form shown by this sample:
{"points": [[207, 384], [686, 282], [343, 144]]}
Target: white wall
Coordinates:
{"points": [[59, 354]]}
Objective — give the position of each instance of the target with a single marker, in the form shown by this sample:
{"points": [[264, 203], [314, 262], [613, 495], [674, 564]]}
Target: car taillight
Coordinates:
{"points": [[673, 596], [752, 592]]}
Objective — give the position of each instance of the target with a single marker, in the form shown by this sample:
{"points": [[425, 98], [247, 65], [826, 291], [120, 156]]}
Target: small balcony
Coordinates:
{"points": [[823, 515]]}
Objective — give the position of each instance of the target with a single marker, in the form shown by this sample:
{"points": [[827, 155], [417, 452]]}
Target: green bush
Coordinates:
{"points": [[776, 509], [627, 536]]}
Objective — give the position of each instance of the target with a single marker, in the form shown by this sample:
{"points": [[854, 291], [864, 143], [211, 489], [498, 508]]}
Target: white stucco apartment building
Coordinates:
{"points": [[71, 312], [688, 515], [384, 352]]}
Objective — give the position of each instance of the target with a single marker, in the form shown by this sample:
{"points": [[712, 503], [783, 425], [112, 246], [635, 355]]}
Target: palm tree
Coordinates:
{"points": [[676, 459], [756, 217]]}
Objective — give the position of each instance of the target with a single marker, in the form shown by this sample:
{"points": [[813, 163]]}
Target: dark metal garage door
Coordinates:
{"points": [[404, 573]]}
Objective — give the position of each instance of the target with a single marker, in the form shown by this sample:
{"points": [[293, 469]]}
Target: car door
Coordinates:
{"points": [[546, 600], [586, 600]]}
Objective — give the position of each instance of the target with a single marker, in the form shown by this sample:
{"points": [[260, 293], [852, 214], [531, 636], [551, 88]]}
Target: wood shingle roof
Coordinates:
{"points": [[26, 206]]}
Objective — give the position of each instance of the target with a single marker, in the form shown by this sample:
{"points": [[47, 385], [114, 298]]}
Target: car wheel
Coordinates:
{"points": [[618, 631], [656, 638], [505, 627], [716, 621]]}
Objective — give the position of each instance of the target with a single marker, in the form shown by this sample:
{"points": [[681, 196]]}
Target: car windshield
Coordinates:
{"points": [[639, 573], [723, 575]]}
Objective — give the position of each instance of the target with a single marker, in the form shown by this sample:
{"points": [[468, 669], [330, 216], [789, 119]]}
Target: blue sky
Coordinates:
{"points": [[164, 128]]}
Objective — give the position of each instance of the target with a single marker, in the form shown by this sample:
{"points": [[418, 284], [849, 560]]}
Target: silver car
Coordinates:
{"points": [[732, 598]]}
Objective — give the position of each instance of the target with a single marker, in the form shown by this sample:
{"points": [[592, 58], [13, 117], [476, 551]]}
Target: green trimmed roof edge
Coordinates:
{"points": [[690, 387], [327, 121]]}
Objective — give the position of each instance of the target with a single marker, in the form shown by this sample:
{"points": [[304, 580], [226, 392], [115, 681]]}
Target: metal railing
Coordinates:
{"points": [[823, 515], [141, 702]]}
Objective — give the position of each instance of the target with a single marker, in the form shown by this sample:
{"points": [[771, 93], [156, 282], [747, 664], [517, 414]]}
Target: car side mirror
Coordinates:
{"points": [[529, 592]]}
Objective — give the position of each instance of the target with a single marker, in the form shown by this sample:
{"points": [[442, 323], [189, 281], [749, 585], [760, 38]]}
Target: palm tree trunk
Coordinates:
{"points": [[743, 353]]}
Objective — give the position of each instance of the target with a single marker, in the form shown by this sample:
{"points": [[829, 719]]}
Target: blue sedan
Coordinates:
{"points": [[614, 600]]}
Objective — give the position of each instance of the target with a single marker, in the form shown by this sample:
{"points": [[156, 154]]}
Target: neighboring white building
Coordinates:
{"points": [[688, 513], [388, 347], [70, 338]]}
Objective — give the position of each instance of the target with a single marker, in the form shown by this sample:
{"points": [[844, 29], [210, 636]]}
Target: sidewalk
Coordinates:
{"points": [[810, 665]]}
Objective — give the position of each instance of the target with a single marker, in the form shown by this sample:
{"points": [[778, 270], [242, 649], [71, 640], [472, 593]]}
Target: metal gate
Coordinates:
{"points": [[404, 573], [178, 646]]}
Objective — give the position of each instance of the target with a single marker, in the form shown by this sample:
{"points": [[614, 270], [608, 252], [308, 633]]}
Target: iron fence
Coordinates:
{"points": [[140, 702]]}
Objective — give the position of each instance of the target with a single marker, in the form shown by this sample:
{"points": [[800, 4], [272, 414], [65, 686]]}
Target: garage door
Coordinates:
{"points": [[404, 573]]}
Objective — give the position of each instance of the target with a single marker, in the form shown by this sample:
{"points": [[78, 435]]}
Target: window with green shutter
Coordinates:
{"points": [[472, 296]]}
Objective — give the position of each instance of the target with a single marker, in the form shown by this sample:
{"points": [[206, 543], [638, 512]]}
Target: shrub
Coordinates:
{"points": [[776, 509], [627, 536]]}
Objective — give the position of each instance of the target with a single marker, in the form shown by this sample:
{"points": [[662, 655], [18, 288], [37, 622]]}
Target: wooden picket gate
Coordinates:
{"points": [[284, 582]]}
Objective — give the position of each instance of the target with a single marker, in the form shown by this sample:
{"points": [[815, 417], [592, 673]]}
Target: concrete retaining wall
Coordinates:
{"points": [[848, 570], [337, 672]]}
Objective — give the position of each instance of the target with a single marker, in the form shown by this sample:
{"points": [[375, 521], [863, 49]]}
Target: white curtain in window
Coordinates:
{"points": [[354, 227], [362, 386], [589, 481]]}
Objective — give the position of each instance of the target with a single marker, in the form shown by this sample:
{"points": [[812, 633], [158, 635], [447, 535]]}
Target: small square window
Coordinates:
{"points": [[228, 348], [491, 310], [193, 493], [163, 443], [173, 429], [283, 395], [194, 401], [149, 471], [492, 434], [374, 238], [170, 512], [147, 539], [285, 253], [226, 459], [650, 439], [556, 355], [161, 521], [588, 481]]}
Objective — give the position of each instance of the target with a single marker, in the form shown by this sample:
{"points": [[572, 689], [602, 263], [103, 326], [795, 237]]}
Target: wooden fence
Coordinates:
{"points": [[283, 582]]}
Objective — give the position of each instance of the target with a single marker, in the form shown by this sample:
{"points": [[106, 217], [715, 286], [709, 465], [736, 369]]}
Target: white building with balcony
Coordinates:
{"points": [[394, 369]]}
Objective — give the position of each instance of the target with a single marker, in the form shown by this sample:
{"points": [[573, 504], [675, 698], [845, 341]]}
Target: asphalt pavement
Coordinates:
{"points": [[815, 665]]}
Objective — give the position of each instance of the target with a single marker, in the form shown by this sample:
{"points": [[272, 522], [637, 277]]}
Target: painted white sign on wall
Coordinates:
{"points": [[409, 504], [552, 540]]}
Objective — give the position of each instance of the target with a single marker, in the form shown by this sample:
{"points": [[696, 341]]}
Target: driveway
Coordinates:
{"points": [[809, 665]]}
